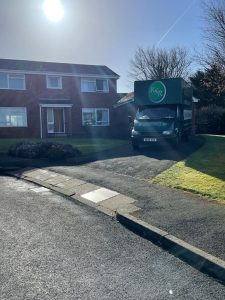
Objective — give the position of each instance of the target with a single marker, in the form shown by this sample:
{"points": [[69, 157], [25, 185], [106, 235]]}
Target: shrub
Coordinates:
{"points": [[211, 119], [60, 151], [48, 150], [25, 150]]}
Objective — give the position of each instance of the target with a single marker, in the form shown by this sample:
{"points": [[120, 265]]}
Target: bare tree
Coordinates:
{"points": [[214, 32], [154, 63]]}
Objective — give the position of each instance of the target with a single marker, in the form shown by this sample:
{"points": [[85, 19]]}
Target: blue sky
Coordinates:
{"points": [[105, 32]]}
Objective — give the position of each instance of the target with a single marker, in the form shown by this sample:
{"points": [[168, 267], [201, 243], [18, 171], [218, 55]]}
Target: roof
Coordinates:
{"points": [[55, 67], [128, 98]]}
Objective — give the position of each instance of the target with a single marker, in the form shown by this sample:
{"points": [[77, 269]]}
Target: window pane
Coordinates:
{"points": [[50, 116], [3, 81], [102, 117], [89, 117], [105, 116], [16, 82], [50, 120], [99, 84], [105, 85], [54, 82], [88, 86], [13, 117], [3, 117], [102, 85]]}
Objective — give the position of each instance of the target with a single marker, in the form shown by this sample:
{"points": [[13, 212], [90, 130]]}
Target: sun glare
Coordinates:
{"points": [[53, 10]]}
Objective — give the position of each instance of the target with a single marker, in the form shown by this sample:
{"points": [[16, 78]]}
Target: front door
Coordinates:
{"points": [[55, 120]]}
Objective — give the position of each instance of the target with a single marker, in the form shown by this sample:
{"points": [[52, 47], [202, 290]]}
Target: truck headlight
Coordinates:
{"points": [[168, 132], [134, 132]]}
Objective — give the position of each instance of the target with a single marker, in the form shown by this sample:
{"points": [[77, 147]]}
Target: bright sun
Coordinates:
{"points": [[53, 10]]}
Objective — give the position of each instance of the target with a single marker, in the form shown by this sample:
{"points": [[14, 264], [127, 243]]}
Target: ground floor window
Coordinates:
{"points": [[95, 116], [13, 117]]}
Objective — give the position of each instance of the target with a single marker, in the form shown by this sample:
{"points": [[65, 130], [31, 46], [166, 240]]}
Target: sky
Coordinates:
{"points": [[103, 32]]}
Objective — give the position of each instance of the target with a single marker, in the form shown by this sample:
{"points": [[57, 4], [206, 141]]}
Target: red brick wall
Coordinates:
{"points": [[36, 89], [121, 120]]}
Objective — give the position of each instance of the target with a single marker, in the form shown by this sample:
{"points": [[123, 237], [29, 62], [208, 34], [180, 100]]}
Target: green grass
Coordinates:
{"points": [[85, 145], [203, 172]]}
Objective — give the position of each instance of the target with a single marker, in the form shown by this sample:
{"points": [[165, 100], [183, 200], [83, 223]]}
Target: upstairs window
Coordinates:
{"points": [[94, 85], [54, 82], [88, 85], [12, 81], [13, 117], [95, 116]]}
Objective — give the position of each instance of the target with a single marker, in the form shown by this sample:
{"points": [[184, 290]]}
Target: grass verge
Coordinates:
{"points": [[85, 145], [203, 172]]}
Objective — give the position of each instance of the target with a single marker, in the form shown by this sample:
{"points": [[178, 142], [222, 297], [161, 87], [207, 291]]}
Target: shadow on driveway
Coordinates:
{"points": [[145, 163]]}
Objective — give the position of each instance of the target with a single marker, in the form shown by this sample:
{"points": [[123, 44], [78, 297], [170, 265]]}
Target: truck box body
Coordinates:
{"points": [[159, 92]]}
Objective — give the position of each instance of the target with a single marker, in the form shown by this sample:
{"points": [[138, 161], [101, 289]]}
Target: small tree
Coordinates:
{"points": [[209, 86], [214, 32], [153, 63]]}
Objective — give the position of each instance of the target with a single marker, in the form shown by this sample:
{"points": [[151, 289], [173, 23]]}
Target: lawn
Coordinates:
{"points": [[203, 172], [85, 145]]}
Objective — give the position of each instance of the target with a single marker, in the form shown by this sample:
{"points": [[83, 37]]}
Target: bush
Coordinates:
{"points": [[48, 150], [211, 119], [24, 149]]}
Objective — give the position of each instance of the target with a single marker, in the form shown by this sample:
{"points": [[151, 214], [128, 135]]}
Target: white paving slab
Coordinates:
{"points": [[99, 195], [40, 190]]}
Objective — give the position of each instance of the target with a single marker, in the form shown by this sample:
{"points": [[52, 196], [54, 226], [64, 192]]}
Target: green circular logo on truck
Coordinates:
{"points": [[157, 91]]}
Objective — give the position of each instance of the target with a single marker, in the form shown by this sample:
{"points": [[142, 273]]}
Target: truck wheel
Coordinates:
{"points": [[176, 142], [185, 138], [135, 146]]}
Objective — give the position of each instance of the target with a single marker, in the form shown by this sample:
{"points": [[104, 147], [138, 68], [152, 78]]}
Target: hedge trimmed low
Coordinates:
{"points": [[47, 150]]}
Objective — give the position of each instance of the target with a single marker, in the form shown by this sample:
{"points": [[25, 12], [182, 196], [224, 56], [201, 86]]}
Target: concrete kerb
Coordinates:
{"points": [[195, 257]]}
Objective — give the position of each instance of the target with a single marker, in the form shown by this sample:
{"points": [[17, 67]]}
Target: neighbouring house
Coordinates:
{"points": [[44, 99], [125, 108]]}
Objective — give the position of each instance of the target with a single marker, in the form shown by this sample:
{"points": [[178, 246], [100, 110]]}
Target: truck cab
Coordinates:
{"points": [[164, 113]]}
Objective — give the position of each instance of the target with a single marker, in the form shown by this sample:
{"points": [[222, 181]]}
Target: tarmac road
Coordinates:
{"points": [[52, 248]]}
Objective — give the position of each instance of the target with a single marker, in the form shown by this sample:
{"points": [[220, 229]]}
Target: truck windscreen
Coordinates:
{"points": [[155, 113]]}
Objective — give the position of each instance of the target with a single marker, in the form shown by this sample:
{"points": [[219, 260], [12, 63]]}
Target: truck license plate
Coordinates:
{"points": [[150, 140]]}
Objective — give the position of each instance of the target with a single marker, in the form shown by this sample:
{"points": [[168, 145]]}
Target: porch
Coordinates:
{"points": [[55, 120]]}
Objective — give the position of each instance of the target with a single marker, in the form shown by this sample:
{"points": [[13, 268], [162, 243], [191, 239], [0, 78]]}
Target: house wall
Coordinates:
{"points": [[121, 114], [36, 89]]}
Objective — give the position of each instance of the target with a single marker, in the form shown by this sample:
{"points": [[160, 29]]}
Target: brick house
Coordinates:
{"points": [[44, 99]]}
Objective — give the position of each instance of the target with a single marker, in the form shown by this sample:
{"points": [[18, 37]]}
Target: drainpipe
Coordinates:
{"points": [[41, 122]]}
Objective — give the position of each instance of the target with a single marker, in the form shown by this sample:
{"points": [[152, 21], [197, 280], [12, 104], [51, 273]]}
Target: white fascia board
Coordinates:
{"points": [[59, 74], [56, 105]]}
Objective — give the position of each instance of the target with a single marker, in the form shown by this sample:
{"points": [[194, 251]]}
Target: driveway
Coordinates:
{"points": [[147, 162]]}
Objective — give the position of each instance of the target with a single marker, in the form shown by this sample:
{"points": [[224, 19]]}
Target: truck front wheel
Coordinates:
{"points": [[176, 142], [135, 145]]}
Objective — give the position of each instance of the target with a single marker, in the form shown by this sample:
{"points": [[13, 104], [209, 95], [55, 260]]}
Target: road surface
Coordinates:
{"points": [[52, 248]]}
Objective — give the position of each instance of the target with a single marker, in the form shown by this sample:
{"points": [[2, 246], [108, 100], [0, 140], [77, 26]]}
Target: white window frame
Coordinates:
{"points": [[94, 80], [14, 108], [95, 111], [54, 88], [13, 75]]}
